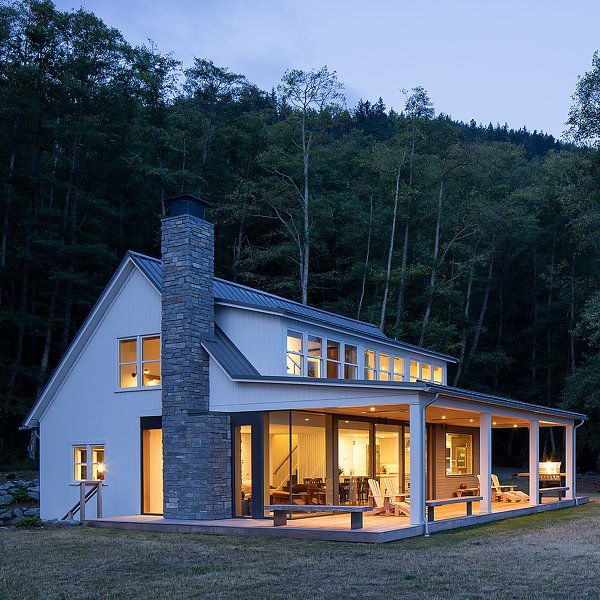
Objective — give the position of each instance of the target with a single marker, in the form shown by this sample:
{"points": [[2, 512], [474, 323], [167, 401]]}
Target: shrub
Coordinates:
{"points": [[28, 522], [20, 495]]}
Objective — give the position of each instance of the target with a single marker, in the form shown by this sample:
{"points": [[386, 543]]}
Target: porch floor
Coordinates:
{"points": [[377, 529]]}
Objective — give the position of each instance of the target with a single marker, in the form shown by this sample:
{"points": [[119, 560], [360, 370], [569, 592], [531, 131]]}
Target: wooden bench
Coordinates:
{"points": [[468, 500], [280, 512], [560, 489]]}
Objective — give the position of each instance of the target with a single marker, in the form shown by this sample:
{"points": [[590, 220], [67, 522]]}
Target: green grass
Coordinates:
{"points": [[550, 555]]}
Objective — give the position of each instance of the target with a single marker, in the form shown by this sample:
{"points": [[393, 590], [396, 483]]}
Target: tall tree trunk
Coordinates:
{"points": [[500, 330], [365, 270], [390, 256], [432, 276], [48, 337], [572, 361], [535, 327], [305, 258], [549, 327]]}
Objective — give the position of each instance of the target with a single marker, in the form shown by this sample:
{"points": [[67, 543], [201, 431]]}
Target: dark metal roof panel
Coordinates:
{"points": [[227, 354], [228, 291]]}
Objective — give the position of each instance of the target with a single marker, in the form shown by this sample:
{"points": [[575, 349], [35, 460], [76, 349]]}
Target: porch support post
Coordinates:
{"points": [[534, 462], [417, 464], [570, 465], [485, 462]]}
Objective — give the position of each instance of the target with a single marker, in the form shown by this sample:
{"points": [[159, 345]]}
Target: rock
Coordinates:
{"points": [[31, 512], [6, 515], [6, 486], [34, 495], [7, 499], [17, 513]]}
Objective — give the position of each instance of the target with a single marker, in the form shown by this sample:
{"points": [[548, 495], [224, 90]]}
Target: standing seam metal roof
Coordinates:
{"points": [[228, 291]]}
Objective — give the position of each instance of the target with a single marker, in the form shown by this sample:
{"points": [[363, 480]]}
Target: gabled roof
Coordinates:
{"points": [[229, 292]]}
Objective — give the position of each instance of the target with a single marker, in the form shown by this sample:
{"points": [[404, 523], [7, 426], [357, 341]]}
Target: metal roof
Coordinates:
{"points": [[235, 293], [226, 353]]}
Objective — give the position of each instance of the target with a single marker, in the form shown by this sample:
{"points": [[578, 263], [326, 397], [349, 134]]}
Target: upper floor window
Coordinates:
{"points": [[399, 366], [333, 359], [139, 362], [350, 362], [385, 367], [315, 356], [295, 352], [89, 462], [370, 371]]}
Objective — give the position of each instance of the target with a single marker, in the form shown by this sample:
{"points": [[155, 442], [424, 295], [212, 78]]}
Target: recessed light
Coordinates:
{"points": [[372, 409], [494, 423], [307, 419], [515, 425], [470, 420], [444, 417], [346, 421]]}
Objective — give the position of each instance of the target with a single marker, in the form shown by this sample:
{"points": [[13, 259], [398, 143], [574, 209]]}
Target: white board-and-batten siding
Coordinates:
{"points": [[87, 409]]}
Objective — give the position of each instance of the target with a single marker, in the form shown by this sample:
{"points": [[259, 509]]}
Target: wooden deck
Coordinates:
{"points": [[377, 529]]}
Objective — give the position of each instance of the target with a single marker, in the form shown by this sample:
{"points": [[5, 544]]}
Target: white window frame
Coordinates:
{"points": [[341, 348], [422, 366], [373, 369], [318, 359], [301, 355], [89, 463], [355, 365], [401, 375], [382, 374], [139, 362]]}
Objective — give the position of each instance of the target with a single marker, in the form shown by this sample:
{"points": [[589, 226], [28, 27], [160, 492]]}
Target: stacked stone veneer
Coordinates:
{"points": [[196, 443]]}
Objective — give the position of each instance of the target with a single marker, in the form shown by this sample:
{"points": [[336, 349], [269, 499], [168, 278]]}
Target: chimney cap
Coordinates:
{"points": [[186, 204]]}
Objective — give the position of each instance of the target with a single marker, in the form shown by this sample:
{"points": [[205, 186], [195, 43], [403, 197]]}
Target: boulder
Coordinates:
{"points": [[6, 499]]}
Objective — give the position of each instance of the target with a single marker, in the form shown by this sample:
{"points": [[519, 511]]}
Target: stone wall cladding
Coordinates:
{"points": [[196, 442]]}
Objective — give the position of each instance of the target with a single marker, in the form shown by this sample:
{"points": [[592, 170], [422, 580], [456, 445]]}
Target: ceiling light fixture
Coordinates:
{"points": [[372, 409]]}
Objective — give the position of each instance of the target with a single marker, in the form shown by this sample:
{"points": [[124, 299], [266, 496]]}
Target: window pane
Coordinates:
{"points": [[370, 374], [351, 354], [98, 454], [80, 473], [426, 372], [385, 376], [387, 457], [314, 367], [294, 364], [350, 372], [151, 373], [151, 348], [438, 376], [333, 350], [399, 366], [333, 370], [384, 362], [414, 370], [354, 461], [128, 351], [279, 464], [128, 376], [80, 454], [315, 346], [294, 342], [459, 454], [370, 358]]}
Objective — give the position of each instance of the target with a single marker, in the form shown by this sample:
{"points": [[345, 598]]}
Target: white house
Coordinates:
{"points": [[193, 398]]}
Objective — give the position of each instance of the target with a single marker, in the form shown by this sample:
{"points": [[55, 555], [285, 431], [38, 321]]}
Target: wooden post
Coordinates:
{"points": [[534, 462], [82, 501], [485, 463], [417, 464], [279, 518], [356, 520], [99, 500]]}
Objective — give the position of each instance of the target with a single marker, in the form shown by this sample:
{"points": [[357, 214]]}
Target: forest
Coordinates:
{"points": [[477, 240]]}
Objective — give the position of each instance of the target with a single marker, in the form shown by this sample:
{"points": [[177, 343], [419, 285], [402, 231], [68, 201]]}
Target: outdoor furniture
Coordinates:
{"points": [[280, 512], [561, 490], [431, 504], [472, 491], [510, 490], [384, 503], [397, 498]]}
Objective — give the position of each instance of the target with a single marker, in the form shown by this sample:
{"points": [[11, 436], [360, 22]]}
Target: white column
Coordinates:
{"points": [[485, 462], [570, 464], [417, 464], [534, 462]]}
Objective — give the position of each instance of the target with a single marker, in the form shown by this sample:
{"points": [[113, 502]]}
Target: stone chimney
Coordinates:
{"points": [[196, 443]]}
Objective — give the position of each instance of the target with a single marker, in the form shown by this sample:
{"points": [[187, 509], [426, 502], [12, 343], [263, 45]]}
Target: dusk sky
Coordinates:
{"points": [[508, 61]]}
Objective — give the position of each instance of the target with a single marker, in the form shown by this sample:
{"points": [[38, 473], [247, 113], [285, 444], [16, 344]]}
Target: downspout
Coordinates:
{"points": [[424, 479], [574, 452]]}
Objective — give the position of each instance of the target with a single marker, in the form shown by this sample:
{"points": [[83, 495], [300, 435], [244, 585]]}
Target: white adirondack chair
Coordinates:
{"points": [[393, 493], [508, 490], [378, 498]]}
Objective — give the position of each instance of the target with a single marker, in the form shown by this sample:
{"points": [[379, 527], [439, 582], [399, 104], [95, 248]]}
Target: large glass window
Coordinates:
{"points": [[282, 455], [438, 374], [398, 368], [370, 370], [426, 372], [459, 454], [354, 461], [243, 470], [350, 362], [152, 463], [333, 359], [89, 462], [388, 440], [294, 355], [385, 367], [315, 356]]}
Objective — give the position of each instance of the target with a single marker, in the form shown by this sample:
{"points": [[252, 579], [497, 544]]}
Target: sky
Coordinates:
{"points": [[498, 61]]}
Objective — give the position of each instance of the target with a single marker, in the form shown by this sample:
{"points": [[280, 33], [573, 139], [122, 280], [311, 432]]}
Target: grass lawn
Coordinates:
{"points": [[551, 555]]}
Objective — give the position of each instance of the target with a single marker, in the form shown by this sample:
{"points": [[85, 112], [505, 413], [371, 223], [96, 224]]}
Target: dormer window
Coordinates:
{"points": [[333, 359], [315, 356], [370, 370], [139, 362], [294, 356], [350, 362], [385, 367]]}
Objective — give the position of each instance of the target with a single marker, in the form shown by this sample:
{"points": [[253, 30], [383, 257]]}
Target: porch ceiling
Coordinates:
{"points": [[434, 414]]}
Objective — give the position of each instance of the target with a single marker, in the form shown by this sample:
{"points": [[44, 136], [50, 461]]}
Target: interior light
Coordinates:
{"points": [[515, 425], [100, 468], [146, 371], [307, 419], [372, 409], [470, 420], [443, 417], [346, 421], [494, 423]]}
